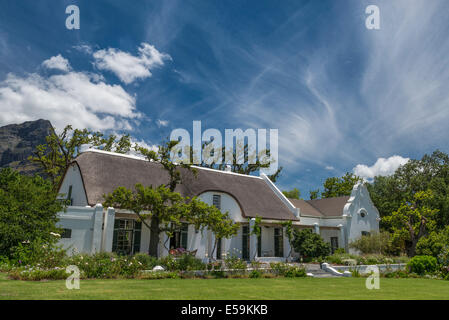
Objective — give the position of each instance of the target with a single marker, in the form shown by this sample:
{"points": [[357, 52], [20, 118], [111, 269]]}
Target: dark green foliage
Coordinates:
{"points": [[423, 265], [292, 194], [337, 187], [28, 209], [309, 244]]}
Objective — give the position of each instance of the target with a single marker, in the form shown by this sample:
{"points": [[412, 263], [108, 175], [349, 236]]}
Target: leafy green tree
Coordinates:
{"points": [[242, 168], [55, 156], [28, 210], [433, 243], [431, 172], [170, 209], [292, 194], [413, 220], [158, 204], [337, 187], [309, 244], [314, 194]]}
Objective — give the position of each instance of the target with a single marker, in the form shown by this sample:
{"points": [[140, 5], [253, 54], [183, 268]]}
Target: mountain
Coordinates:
{"points": [[18, 141]]}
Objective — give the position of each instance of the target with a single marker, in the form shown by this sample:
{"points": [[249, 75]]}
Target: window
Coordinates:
{"points": [[179, 239], [278, 242], [259, 244], [126, 238], [66, 233], [365, 233], [216, 201], [334, 244], [245, 242]]}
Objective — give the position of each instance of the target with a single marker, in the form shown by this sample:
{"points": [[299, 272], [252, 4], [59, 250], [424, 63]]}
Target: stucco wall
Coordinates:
{"points": [[360, 202], [73, 178]]}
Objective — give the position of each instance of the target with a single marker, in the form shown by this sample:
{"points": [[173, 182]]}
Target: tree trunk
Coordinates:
{"points": [[154, 237]]}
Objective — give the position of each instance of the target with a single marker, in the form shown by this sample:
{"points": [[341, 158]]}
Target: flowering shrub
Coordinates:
{"points": [[106, 265], [286, 270], [37, 274], [38, 252], [185, 262], [233, 262]]}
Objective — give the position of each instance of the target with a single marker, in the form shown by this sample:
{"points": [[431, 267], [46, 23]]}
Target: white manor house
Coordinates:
{"points": [[88, 227]]}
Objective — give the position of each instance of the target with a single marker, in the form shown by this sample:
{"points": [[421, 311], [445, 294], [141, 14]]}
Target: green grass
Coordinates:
{"points": [[192, 289]]}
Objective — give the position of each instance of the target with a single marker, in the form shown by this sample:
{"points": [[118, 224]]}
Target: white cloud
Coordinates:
{"points": [[83, 48], [57, 62], [162, 123], [78, 98], [382, 167], [329, 168], [129, 68]]}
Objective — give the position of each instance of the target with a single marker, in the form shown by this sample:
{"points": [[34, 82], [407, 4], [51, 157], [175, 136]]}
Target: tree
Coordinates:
{"points": [[158, 204], [61, 149], [314, 194], [413, 220], [309, 244], [163, 156], [242, 168], [431, 172], [337, 187], [292, 194], [170, 209], [28, 210]]}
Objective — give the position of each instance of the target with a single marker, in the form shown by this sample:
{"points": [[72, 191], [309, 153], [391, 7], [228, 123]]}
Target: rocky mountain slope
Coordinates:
{"points": [[18, 141]]}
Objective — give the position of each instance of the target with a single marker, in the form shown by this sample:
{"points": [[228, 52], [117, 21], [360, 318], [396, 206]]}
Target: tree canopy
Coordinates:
{"points": [[28, 209]]}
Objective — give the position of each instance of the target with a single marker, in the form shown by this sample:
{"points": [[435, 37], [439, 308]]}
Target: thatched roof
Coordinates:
{"points": [[327, 207], [103, 172]]}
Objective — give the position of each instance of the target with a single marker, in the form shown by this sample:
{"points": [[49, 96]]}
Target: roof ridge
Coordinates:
{"points": [[133, 157]]}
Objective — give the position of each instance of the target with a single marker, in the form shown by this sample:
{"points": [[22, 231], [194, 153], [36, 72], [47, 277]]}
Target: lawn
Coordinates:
{"points": [[227, 289]]}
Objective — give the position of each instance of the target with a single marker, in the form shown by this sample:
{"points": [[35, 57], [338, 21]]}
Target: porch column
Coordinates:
{"points": [[199, 241], [163, 252], [342, 242], [252, 240], [97, 231], [287, 247], [316, 227], [108, 230]]}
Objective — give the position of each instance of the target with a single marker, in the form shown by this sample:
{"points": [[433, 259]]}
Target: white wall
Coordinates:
{"points": [[359, 202], [86, 225], [73, 178]]}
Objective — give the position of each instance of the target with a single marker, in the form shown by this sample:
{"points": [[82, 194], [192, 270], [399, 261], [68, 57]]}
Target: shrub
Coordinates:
{"points": [[106, 265], [376, 243], [147, 261], [433, 244], [37, 274], [423, 265], [233, 262], [309, 244], [285, 270], [255, 274], [185, 262], [159, 275], [40, 253]]}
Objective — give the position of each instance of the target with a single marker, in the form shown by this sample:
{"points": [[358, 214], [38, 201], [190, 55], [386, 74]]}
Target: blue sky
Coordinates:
{"points": [[343, 97]]}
